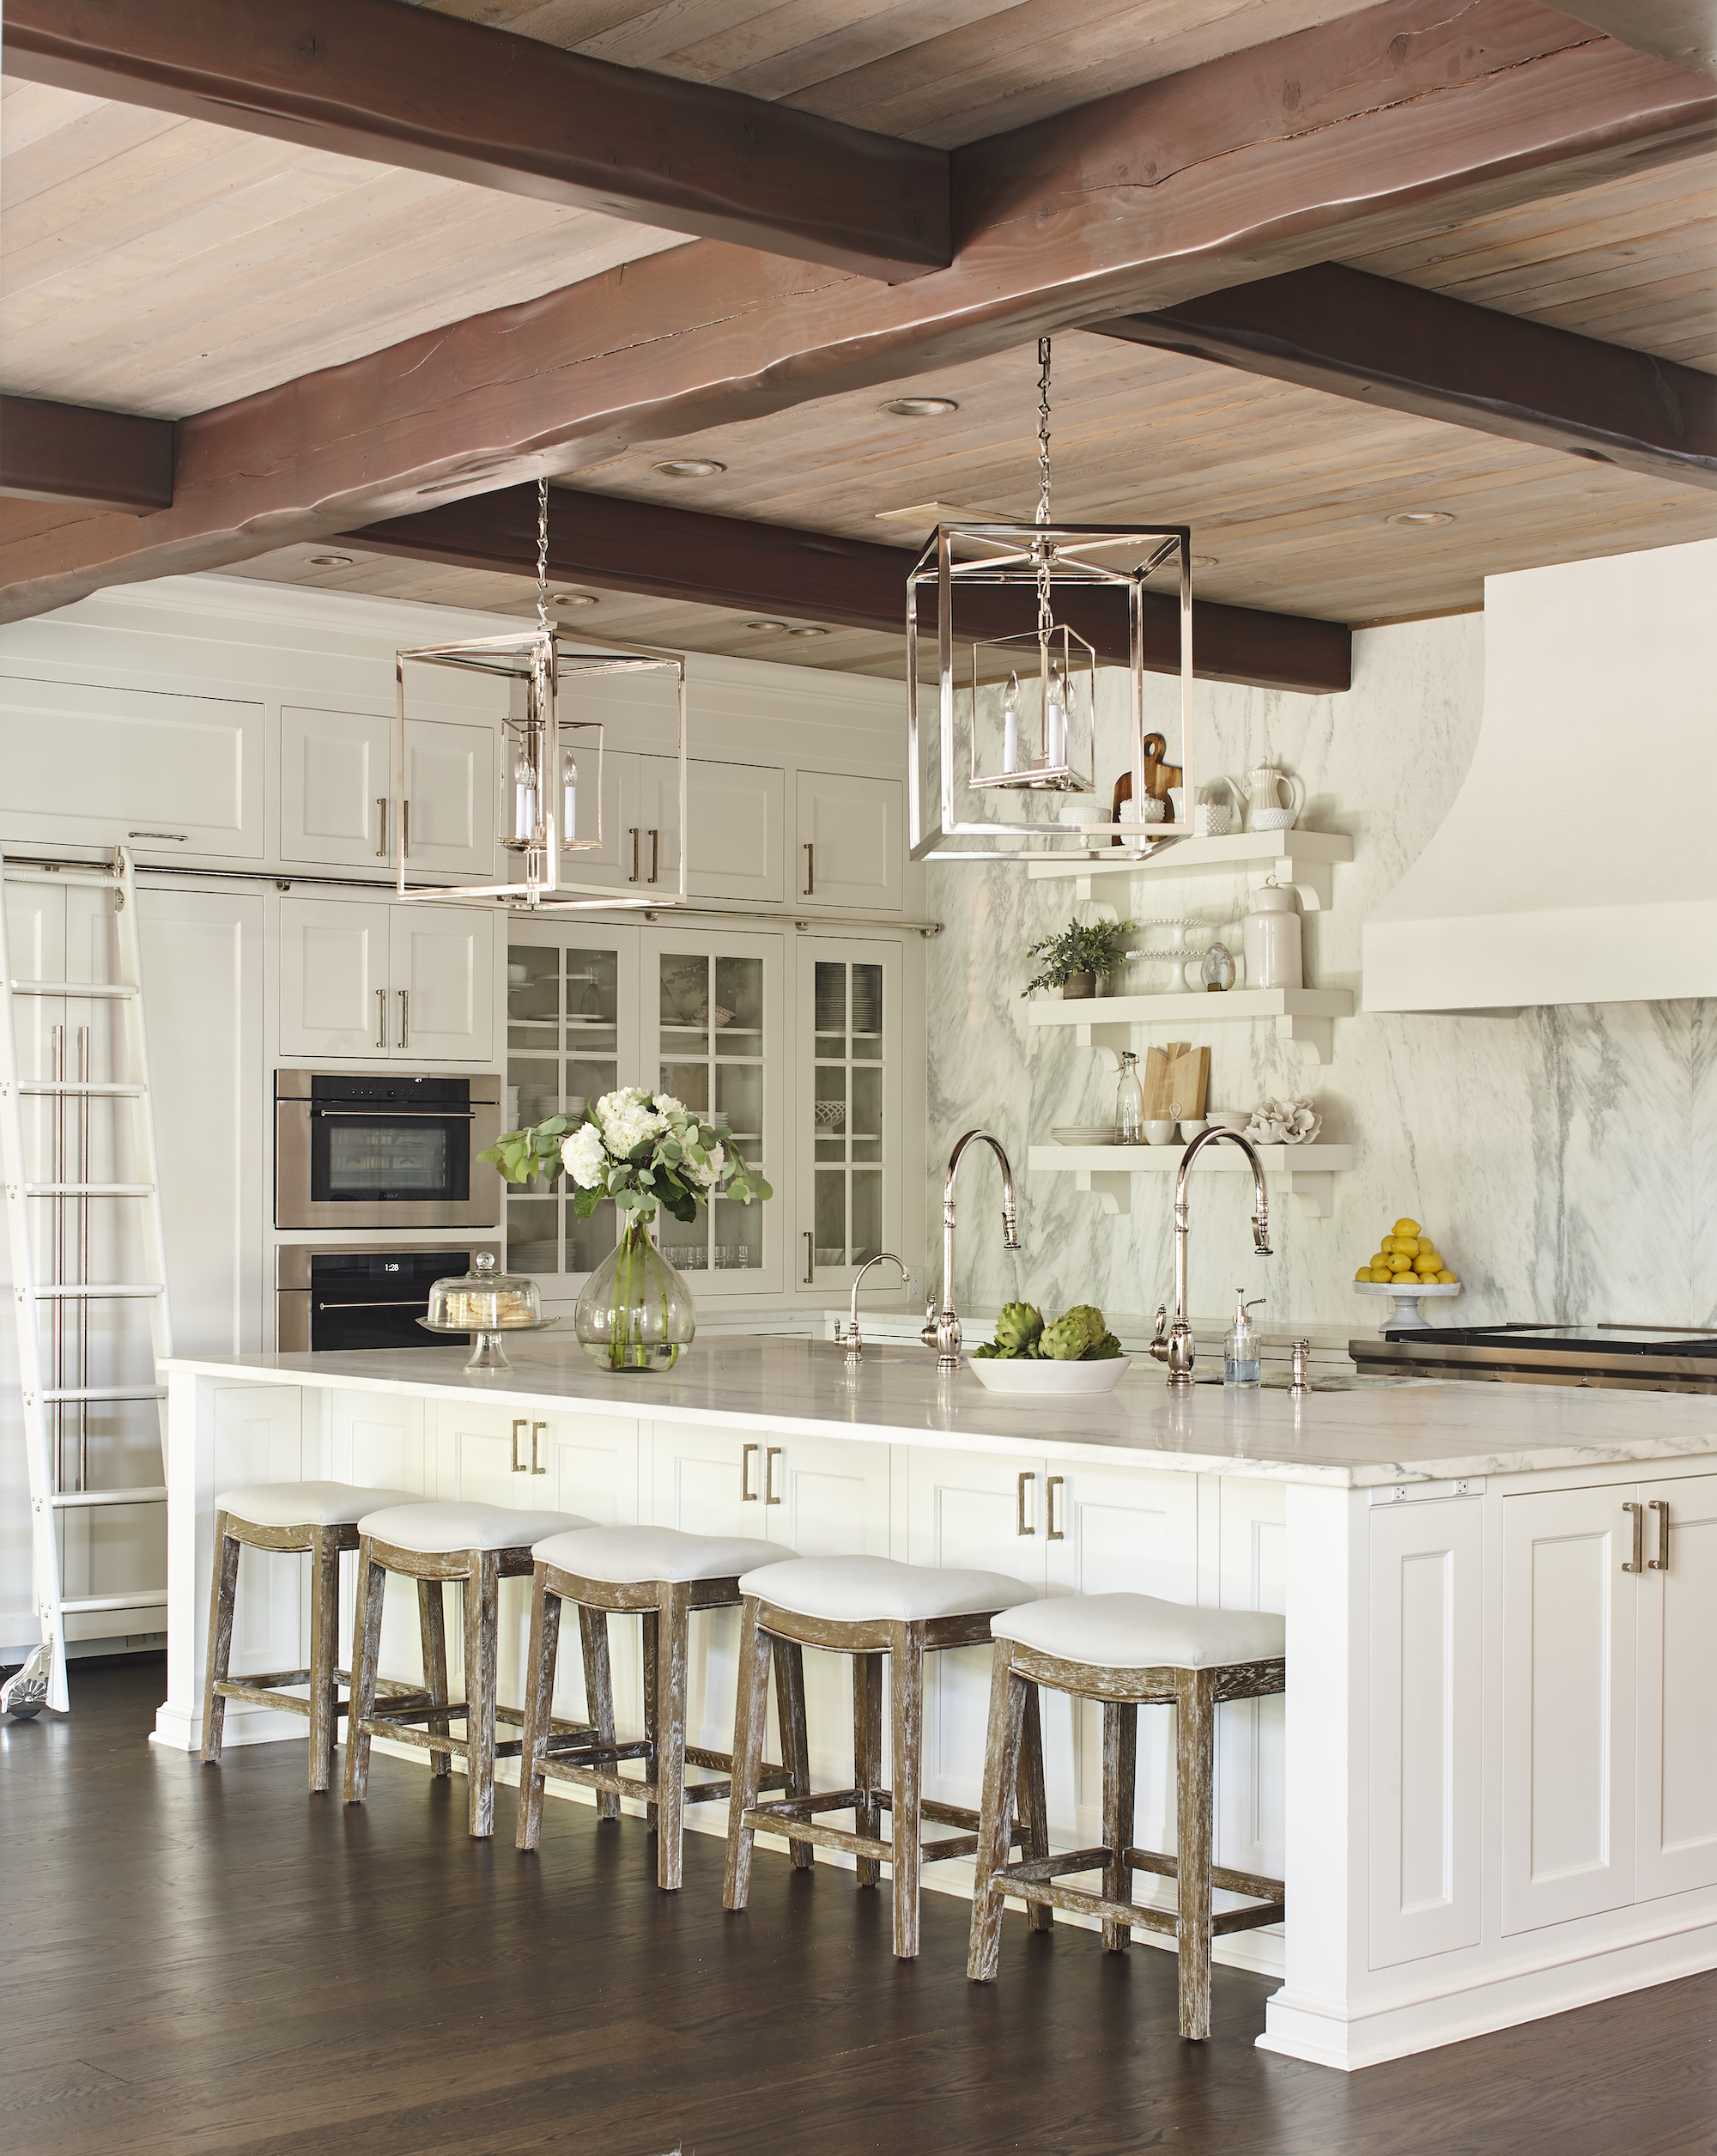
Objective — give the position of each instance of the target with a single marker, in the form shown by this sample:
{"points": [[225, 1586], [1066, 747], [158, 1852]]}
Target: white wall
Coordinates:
{"points": [[1566, 1160]]}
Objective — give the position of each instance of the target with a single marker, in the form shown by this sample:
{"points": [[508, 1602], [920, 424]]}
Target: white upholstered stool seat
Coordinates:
{"points": [[433, 1529], [296, 1504], [880, 1589], [479, 1546], [1127, 1651], [623, 1554], [1142, 1632], [869, 1607], [314, 1519]]}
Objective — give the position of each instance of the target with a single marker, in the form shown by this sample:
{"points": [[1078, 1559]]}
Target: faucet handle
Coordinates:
{"points": [[928, 1334], [1159, 1339], [1260, 1233]]}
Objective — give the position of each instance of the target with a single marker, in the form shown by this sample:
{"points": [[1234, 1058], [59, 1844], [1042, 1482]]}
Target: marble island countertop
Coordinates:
{"points": [[1361, 1434]]}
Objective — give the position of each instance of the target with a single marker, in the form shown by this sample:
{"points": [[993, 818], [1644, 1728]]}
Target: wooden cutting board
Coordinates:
{"points": [[1179, 1072]]}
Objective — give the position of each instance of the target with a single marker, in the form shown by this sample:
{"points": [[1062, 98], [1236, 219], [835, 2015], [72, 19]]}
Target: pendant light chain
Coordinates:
{"points": [[542, 553], [1045, 619]]}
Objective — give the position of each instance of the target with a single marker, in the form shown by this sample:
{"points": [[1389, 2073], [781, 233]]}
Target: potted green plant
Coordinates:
{"points": [[1073, 960]]}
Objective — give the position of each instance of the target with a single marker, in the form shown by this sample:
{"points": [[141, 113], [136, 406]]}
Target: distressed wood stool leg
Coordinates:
{"points": [[652, 1703], [1194, 1748], [790, 1712], [432, 1626], [482, 1628], [324, 1625], [867, 1755], [224, 1588], [1033, 1802], [672, 1623], [371, 1586], [539, 1706], [598, 1694], [906, 1692], [1120, 1782], [1001, 1775], [750, 1719]]}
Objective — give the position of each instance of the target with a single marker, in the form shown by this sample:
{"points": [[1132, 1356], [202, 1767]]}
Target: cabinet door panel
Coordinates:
{"points": [[382, 1439], [697, 1482], [1678, 1822], [443, 960], [737, 815], [854, 829], [336, 801], [1569, 1624], [259, 1437], [446, 794], [1426, 1821], [334, 977]]}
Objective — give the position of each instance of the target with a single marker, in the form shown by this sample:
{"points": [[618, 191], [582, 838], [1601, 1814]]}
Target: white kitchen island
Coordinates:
{"points": [[1492, 1787]]}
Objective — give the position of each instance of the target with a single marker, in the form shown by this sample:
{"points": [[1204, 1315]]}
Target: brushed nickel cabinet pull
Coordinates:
{"points": [[517, 1464], [810, 1255], [655, 856], [404, 1018], [1638, 1513], [770, 1495], [633, 877], [405, 830], [1661, 1561], [381, 1017], [381, 827], [747, 1494], [1051, 1532], [536, 1431], [810, 869], [1023, 1526]]}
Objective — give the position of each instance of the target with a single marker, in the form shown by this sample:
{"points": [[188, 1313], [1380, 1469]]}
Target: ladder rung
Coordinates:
{"points": [[102, 1392], [89, 1190], [88, 1089], [90, 881], [157, 1495], [80, 990], [147, 1598], [96, 1293]]}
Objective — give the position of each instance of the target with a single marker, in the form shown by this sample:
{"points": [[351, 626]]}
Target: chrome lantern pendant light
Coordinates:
{"points": [[1010, 764], [551, 776]]}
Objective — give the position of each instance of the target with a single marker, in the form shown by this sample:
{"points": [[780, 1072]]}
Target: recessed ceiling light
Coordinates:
{"points": [[779, 627], [917, 408], [808, 631], [331, 560], [573, 598], [690, 468], [1417, 518]]}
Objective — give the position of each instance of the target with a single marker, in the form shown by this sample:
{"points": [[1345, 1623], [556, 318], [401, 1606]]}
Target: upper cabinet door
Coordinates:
{"points": [[737, 815], [448, 797], [1677, 1829], [334, 977], [442, 1004], [170, 775], [336, 801], [849, 840]]}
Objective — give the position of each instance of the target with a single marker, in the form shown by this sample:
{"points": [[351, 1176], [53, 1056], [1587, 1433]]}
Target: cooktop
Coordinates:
{"points": [[1645, 1358], [1611, 1339]]}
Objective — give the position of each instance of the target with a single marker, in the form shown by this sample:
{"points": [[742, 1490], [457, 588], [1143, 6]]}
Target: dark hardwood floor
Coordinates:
{"points": [[211, 1960]]}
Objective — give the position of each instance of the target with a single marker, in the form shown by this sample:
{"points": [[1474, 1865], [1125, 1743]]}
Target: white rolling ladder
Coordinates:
{"points": [[56, 1410]]}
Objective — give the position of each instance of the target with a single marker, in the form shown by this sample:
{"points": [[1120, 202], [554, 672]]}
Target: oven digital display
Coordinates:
{"points": [[376, 1159]]}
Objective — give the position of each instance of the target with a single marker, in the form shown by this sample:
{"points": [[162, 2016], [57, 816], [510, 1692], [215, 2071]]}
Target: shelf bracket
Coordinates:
{"points": [[1310, 880], [1114, 1038], [1313, 1036], [1317, 1187], [1112, 1188]]}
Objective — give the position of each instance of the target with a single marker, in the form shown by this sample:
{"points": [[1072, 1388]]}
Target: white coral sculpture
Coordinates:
{"points": [[1293, 1121]]}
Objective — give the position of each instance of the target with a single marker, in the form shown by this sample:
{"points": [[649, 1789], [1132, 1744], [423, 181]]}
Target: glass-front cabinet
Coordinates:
{"points": [[847, 1108]]}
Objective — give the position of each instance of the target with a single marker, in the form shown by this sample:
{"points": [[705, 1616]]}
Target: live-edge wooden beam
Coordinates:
{"points": [[68, 453], [641, 547]]}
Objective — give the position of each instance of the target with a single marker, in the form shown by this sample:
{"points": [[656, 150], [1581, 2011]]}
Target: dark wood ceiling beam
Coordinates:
{"points": [[1685, 31], [377, 79], [68, 453], [1352, 134], [1384, 342], [615, 545]]}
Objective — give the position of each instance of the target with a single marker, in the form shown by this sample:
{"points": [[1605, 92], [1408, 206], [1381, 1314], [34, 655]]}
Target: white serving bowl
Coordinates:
{"points": [[1009, 1374]]}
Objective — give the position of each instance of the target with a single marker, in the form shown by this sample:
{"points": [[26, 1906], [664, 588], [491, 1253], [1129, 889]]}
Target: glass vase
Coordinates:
{"points": [[635, 1312]]}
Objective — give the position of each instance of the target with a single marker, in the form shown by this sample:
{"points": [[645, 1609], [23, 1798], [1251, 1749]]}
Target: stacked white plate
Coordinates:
{"points": [[1082, 1134]]}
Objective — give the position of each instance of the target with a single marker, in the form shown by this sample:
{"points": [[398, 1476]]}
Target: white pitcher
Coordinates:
{"points": [[1264, 799]]}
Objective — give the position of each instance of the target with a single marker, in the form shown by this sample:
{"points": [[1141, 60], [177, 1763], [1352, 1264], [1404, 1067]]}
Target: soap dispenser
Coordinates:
{"points": [[1242, 1354]]}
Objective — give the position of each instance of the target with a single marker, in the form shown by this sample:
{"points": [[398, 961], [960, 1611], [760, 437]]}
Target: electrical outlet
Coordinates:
{"points": [[911, 1284]]}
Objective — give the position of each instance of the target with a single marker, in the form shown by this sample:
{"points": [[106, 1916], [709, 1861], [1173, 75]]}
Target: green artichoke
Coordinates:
{"points": [[1105, 1349], [1017, 1328], [1074, 1334]]}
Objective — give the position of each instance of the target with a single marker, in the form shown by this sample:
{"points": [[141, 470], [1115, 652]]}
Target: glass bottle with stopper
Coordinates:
{"points": [[1129, 1103], [1242, 1349]]}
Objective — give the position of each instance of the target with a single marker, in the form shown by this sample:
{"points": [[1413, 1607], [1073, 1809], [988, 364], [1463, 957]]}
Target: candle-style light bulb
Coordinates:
{"points": [[1010, 725], [569, 797], [1055, 720], [525, 830]]}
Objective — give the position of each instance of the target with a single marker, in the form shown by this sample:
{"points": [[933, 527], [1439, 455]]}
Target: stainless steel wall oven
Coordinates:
{"points": [[391, 1149]]}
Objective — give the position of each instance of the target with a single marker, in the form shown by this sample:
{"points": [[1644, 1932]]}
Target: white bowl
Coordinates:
{"points": [[1082, 1134], [518, 976], [1010, 1374], [1227, 1119], [1272, 819]]}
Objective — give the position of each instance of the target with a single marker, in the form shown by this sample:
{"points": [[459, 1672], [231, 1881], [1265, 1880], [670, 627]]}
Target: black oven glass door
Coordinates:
{"points": [[366, 1301], [373, 1156]]}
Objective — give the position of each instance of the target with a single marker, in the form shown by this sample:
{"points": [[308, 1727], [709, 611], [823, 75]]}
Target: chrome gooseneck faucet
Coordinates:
{"points": [[855, 1344], [1174, 1345], [942, 1329]]}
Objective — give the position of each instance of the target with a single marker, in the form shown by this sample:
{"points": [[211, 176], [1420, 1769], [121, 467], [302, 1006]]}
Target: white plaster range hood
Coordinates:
{"points": [[1579, 863]]}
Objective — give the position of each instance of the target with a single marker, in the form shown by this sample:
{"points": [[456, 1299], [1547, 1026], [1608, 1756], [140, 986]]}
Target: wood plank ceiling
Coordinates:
{"points": [[160, 266]]}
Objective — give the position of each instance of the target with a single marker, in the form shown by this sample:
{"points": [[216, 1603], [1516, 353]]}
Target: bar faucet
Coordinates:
{"points": [[855, 1345], [942, 1329], [1174, 1345]]}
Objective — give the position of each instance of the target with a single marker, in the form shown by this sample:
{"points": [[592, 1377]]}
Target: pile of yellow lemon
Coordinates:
{"points": [[1406, 1255]]}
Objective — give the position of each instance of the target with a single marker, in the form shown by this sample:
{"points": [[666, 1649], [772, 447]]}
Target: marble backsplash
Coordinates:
{"points": [[1565, 1160]]}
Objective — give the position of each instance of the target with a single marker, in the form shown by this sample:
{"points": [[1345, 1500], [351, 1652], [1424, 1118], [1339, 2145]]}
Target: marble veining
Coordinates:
{"points": [[1566, 1158]]}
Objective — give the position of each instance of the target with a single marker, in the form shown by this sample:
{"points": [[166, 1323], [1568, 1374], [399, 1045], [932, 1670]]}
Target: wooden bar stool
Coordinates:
{"points": [[479, 1546], [868, 1607], [662, 1575], [1130, 1651], [319, 1518]]}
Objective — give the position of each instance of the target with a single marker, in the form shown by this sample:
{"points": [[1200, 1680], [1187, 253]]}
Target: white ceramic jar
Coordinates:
{"points": [[1271, 939]]}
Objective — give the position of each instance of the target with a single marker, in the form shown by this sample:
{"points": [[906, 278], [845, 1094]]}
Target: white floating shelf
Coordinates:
{"points": [[1108, 1170], [1301, 1015], [1301, 858]]}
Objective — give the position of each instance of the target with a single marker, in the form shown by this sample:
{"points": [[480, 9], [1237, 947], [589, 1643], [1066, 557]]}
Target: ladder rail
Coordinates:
{"points": [[131, 941]]}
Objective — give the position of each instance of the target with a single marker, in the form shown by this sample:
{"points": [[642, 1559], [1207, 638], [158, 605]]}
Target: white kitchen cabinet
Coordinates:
{"points": [[1677, 1734], [848, 841], [342, 803], [850, 1136], [409, 982], [737, 815], [258, 1436], [446, 796]]}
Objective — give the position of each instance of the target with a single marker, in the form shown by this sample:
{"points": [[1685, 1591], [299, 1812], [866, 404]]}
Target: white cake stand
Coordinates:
{"points": [[1406, 1317]]}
